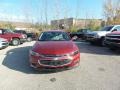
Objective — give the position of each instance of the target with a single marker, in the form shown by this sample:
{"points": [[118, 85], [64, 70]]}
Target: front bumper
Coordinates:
{"points": [[112, 44], [93, 39], [54, 62], [22, 40], [4, 45]]}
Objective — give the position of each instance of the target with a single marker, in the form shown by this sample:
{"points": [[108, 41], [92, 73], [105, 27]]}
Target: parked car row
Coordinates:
{"points": [[112, 40], [10, 37], [99, 36], [107, 36]]}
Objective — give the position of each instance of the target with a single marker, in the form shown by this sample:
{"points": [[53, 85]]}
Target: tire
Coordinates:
{"points": [[92, 43], [15, 42], [29, 39], [113, 48]]}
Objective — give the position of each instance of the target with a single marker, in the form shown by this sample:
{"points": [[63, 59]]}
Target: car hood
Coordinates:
{"points": [[54, 47], [115, 33], [100, 32], [16, 34]]}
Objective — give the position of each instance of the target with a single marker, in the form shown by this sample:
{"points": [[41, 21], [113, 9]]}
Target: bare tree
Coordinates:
{"points": [[112, 11]]}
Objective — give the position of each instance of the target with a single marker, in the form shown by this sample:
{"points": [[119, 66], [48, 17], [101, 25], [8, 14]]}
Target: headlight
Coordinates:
{"points": [[70, 55], [22, 36], [74, 53], [35, 54], [96, 35]]}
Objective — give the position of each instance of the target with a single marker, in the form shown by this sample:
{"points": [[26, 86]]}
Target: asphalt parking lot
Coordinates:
{"points": [[99, 70]]}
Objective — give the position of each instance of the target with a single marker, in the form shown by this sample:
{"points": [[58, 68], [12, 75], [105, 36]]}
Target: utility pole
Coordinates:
{"points": [[46, 13], [57, 9], [77, 12], [86, 19], [66, 16], [46, 9]]}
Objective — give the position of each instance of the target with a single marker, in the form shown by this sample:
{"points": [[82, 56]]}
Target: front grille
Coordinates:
{"points": [[4, 43], [113, 37], [55, 62], [90, 35], [115, 41], [54, 55]]}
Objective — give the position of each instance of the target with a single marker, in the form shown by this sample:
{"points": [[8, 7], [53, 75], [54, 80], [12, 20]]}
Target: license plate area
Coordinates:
{"points": [[54, 62]]}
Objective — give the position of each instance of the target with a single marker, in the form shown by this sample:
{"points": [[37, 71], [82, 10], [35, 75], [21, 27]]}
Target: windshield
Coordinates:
{"points": [[9, 31], [18, 31], [108, 28], [54, 36]]}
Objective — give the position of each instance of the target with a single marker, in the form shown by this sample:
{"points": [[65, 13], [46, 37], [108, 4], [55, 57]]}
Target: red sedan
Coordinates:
{"points": [[53, 50]]}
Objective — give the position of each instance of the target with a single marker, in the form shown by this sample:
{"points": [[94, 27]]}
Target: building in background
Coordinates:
{"points": [[79, 23]]}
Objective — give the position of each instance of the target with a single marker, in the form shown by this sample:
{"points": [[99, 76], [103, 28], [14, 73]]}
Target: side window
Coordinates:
{"points": [[118, 28]]}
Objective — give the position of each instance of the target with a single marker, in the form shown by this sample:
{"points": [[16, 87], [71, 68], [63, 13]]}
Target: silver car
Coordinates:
{"points": [[3, 43]]}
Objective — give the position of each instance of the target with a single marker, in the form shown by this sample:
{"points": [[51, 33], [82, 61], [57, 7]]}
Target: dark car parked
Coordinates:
{"points": [[81, 33], [31, 36], [21, 32]]}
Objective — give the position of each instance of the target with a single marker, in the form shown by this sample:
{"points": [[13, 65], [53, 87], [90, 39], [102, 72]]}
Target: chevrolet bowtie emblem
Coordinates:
{"points": [[55, 58]]}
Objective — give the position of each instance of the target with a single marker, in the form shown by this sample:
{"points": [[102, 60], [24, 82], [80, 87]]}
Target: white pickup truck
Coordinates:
{"points": [[3, 43], [98, 37]]}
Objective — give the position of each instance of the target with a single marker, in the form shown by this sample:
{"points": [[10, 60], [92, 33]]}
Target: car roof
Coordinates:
{"points": [[2, 29], [19, 30], [54, 31], [112, 25]]}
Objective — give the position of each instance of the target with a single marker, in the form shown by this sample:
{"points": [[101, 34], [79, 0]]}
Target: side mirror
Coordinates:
{"points": [[74, 38], [114, 30]]}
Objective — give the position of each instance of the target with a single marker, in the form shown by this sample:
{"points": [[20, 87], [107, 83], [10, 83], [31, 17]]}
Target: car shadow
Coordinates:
{"points": [[86, 47], [18, 59]]}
